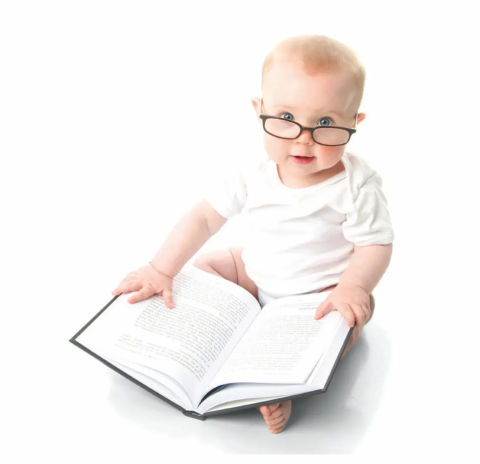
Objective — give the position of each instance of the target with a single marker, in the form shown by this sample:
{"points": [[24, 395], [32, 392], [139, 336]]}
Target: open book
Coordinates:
{"points": [[217, 350]]}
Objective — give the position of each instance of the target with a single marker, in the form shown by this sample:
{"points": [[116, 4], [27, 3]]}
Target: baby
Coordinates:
{"points": [[318, 219]]}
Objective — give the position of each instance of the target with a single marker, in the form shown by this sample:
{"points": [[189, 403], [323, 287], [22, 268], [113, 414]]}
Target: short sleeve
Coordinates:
{"points": [[228, 195], [368, 220]]}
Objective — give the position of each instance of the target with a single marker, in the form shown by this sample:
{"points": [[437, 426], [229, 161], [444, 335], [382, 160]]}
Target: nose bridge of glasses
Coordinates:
{"points": [[306, 130]]}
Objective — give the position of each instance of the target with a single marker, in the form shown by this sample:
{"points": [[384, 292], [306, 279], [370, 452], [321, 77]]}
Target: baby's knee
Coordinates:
{"points": [[202, 261], [219, 262]]}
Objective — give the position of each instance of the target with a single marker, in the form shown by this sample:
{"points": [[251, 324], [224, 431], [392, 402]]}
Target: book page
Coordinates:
{"points": [[160, 383], [189, 342], [239, 394], [283, 345]]}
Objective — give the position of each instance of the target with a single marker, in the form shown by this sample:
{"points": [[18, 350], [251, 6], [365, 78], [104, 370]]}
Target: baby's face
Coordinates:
{"points": [[324, 99]]}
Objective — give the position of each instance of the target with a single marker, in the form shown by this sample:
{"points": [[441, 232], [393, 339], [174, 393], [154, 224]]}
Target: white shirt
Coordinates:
{"points": [[301, 240]]}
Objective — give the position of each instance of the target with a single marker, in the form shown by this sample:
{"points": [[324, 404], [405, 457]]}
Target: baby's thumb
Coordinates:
{"points": [[168, 297], [322, 309]]}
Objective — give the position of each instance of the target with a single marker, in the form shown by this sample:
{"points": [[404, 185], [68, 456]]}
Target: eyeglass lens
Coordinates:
{"points": [[288, 130]]}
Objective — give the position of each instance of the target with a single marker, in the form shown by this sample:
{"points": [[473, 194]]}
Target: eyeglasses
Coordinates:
{"points": [[331, 136]]}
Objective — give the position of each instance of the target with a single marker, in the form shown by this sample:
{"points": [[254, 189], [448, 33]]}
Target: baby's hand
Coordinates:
{"points": [[148, 281], [351, 301]]}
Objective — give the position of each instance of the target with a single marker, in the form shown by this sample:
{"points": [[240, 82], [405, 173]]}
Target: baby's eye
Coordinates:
{"points": [[286, 113], [326, 119], [322, 119]]}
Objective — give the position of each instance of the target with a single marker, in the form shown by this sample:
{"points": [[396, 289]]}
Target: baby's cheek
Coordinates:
{"points": [[276, 148], [330, 156], [330, 152]]}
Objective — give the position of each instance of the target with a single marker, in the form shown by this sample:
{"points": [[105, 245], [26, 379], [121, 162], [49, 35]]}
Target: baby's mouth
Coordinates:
{"points": [[302, 159]]}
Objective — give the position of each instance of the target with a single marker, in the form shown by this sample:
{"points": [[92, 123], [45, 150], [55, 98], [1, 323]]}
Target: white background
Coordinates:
{"points": [[115, 115]]}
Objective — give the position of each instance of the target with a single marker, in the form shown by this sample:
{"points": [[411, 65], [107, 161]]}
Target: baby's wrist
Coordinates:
{"points": [[160, 272], [350, 284]]}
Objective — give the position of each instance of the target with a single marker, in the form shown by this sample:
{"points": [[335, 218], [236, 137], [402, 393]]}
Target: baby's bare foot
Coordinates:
{"points": [[276, 415]]}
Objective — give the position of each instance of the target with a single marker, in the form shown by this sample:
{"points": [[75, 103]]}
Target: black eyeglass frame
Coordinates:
{"points": [[350, 131]]}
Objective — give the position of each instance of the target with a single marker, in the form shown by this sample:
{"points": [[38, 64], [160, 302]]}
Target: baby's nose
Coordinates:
{"points": [[305, 136]]}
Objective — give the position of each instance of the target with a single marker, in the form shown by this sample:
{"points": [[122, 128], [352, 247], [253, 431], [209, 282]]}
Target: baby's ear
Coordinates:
{"points": [[256, 105], [361, 117]]}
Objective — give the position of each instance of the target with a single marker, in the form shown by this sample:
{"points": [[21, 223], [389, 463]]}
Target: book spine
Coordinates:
{"points": [[194, 415]]}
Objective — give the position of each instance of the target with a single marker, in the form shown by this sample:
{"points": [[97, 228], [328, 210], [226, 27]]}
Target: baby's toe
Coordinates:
{"points": [[273, 423], [278, 428], [276, 415], [263, 410], [267, 410]]}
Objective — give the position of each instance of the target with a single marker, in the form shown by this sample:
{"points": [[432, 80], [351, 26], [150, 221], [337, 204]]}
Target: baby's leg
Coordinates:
{"points": [[357, 330], [229, 265]]}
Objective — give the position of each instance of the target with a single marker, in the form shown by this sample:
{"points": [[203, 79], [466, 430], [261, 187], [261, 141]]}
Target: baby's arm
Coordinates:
{"points": [[191, 232], [351, 297], [186, 238], [367, 221], [367, 266]]}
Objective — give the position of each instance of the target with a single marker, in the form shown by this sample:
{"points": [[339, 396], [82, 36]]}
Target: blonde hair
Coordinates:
{"points": [[318, 53]]}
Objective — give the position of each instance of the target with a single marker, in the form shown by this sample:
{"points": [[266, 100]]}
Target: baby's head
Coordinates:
{"points": [[315, 81]]}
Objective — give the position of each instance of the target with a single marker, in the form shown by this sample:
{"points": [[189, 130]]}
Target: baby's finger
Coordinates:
{"points": [[125, 280], [142, 294], [131, 286], [323, 309], [168, 297], [346, 311], [360, 314], [368, 312]]}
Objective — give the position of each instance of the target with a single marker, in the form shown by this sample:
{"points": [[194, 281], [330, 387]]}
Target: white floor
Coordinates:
{"points": [[97, 166]]}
